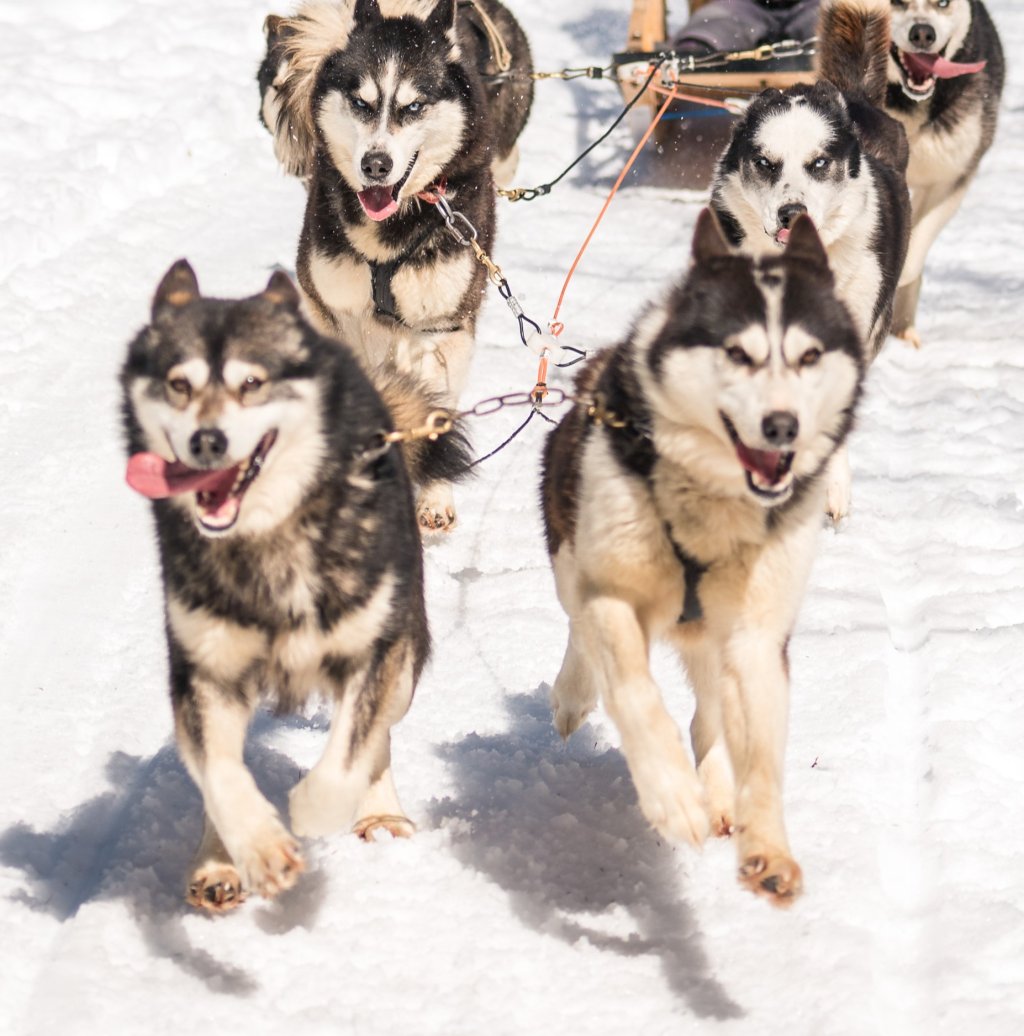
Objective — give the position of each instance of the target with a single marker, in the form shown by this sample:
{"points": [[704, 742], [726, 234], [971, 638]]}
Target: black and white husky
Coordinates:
{"points": [[381, 111], [829, 151], [682, 498], [946, 75], [291, 560]]}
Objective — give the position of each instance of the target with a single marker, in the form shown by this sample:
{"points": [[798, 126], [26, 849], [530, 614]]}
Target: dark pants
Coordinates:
{"points": [[740, 24]]}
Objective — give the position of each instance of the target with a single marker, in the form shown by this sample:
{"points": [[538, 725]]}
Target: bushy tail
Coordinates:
{"points": [[853, 46], [447, 458]]}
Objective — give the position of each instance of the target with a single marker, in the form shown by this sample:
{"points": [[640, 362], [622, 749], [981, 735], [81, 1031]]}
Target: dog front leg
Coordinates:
{"points": [[444, 368], [616, 645], [245, 846], [755, 707]]}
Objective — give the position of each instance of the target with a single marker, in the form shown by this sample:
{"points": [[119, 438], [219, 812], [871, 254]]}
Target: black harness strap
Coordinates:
{"points": [[692, 572], [382, 274]]}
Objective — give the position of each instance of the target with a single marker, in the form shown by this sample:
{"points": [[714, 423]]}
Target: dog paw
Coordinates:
{"points": [[568, 718], [435, 508], [271, 863], [673, 802], [774, 876], [396, 826], [216, 888], [715, 775], [837, 501]]}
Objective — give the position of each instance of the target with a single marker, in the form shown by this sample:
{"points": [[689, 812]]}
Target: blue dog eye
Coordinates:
{"points": [[414, 107]]}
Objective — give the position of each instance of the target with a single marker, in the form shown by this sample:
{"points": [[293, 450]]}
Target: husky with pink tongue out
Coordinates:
{"points": [[291, 560], [828, 150], [946, 75], [682, 501], [381, 108]]}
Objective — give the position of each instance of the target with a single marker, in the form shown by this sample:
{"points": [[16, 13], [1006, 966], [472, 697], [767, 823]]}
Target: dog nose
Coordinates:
{"points": [[208, 445], [780, 427], [788, 213], [376, 165], [921, 35]]}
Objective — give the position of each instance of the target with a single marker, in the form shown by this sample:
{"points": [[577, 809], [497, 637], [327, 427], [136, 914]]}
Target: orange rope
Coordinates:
{"points": [[554, 326]]}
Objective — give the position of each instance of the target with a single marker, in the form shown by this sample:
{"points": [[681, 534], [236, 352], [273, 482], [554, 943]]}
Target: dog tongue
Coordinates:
{"points": [[760, 462], [378, 202], [782, 235], [156, 478], [924, 65]]}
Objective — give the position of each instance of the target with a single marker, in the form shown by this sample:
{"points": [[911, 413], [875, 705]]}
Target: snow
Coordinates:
{"points": [[534, 897]]}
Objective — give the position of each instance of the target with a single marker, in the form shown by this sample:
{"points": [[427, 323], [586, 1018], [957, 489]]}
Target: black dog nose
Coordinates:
{"points": [[376, 165], [921, 35], [208, 445], [788, 213], [780, 427]]}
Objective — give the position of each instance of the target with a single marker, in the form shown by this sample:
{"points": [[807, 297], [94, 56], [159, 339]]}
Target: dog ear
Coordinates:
{"points": [[708, 240], [272, 27], [804, 242], [178, 288], [281, 291], [442, 19], [366, 12]]}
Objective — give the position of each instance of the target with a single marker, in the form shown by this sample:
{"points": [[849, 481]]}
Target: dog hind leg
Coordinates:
{"points": [[707, 733], [355, 766], [574, 694]]}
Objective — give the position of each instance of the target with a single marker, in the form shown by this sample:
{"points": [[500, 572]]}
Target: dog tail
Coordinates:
{"points": [[444, 459], [853, 46]]}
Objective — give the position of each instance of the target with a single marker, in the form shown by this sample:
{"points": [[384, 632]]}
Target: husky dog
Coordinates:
{"points": [[946, 75], [828, 150], [682, 499], [291, 560], [381, 111]]}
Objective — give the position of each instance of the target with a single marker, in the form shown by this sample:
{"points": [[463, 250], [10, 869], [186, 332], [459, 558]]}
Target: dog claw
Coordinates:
{"points": [[777, 879], [216, 890], [396, 826]]}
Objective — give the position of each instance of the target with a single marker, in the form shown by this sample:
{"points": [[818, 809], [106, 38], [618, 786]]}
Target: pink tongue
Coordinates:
{"points": [[760, 462], [156, 478], [378, 202], [924, 65], [782, 236]]}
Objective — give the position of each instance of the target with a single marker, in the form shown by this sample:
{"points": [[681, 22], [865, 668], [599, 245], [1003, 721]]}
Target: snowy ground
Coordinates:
{"points": [[534, 898]]}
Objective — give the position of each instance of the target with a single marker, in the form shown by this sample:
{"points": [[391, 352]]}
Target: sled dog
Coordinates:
{"points": [[830, 151], [382, 111], [682, 499], [946, 75], [291, 561]]}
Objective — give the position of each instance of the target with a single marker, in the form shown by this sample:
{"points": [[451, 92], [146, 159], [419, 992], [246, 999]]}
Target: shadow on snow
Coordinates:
{"points": [[558, 827]]}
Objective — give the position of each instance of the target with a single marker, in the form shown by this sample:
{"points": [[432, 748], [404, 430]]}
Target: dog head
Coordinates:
{"points": [[792, 153], [753, 367], [926, 36], [392, 108], [222, 406]]}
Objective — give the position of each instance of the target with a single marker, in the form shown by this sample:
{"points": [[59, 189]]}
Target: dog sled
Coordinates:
{"points": [[711, 91]]}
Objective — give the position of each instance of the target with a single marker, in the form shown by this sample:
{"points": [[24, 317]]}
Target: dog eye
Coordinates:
{"points": [[738, 356], [810, 357], [412, 109], [821, 163], [251, 384], [181, 386], [942, 3], [358, 102], [762, 163]]}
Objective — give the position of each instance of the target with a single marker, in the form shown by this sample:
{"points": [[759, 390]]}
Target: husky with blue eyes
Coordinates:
{"points": [[946, 74], [682, 501], [382, 108], [828, 150]]}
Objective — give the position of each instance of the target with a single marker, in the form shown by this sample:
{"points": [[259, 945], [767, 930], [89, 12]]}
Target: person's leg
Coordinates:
{"points": [[723, 25], [801, 22]]}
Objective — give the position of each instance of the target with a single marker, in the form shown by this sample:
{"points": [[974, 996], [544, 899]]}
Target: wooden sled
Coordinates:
{"points": [[684, 148]]}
